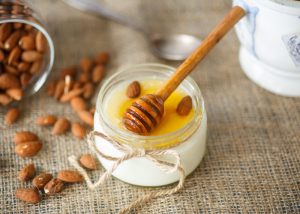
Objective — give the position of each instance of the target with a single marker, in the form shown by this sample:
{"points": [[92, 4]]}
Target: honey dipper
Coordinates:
{"points": [[146, 112]]}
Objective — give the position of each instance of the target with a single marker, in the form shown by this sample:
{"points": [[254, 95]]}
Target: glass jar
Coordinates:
{"points": [[189, 141], [20, 15]]}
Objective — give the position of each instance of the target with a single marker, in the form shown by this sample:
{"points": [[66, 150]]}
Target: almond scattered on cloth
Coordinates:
{"points": [[88, 161], [46, 120], [30, 195], [61, 126], [54, 186], [24, 136], [41, 180], [78, 130], [27, 173], [69, 176], [28, 149], [11, 116]]}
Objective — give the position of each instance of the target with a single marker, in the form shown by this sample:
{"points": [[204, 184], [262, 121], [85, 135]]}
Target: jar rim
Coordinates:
{"points": [[151, 141]]}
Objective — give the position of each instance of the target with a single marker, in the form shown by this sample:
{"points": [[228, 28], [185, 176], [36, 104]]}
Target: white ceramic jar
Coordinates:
{"points": [[189, 141], [270, 44]]}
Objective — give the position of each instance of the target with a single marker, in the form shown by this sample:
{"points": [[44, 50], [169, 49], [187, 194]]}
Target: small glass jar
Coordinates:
{"points": [[17, 11], [189, 141]]}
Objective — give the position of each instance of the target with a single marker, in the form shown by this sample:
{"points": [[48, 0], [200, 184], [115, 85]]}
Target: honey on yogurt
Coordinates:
{"points": [[171, 120]]}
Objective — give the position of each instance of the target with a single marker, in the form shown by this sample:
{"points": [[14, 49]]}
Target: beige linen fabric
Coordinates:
{"points": [[252, 163]]}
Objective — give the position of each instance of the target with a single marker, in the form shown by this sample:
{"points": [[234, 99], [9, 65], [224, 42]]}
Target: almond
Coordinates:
{"points": [[9, 81], [71, 71], [77, 84], [73, 93], [184, 106], [102, 58], [28, 149], [61, 126], [23, 66], [51, 88], [88, 90], [84, 77], [14, 55], [31, 56], [27, 173], [86, 117], [133, 89], [2, 56], [17, 25], [46, 120], [59, 89], [24, 136], [78, 130], [41, 42], [88, 161], [29, 195], [69, 176], [86, 65], [36, 67], [54, 186], [5, 99], [98, 73], [27, 42], [12, 40], [11, 116], [41, 180], [78, 104], [15, 93], [11, 70], [5, 31], [25, 79]]}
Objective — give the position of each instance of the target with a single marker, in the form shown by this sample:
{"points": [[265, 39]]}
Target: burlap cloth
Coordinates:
{"points": [[252, 163]]}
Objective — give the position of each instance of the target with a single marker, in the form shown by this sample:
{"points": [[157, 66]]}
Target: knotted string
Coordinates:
{"points": [[129, 153]]}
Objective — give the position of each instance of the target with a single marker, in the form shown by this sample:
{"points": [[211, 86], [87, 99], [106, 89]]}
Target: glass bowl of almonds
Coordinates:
{"points": [[26, 51]]}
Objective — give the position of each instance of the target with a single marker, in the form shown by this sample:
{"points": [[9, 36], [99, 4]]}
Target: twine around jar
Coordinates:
{"points": [[129, 153]]}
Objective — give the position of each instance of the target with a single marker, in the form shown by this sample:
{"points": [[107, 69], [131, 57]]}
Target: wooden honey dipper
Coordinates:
{"points": [[146, 112]]}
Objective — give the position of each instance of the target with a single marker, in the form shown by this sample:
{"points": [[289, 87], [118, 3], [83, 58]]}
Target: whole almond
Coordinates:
{"points": [[71, 71], [84, 77], [59, 89], [14, 55], [9, 81], [27, 42], [73, 93], [11, 116], [54, 186], [11, 70], [88, 161], [25, 136], [78, 104], [78, 130], [2, 56], [51, 88], [61, 126], [102, 58], [25, 79], [41, 42], [5, 99], [41, 180], [69, 176], [88, 90], [31, 56], [77, 84], [36, 67], [5, 31], [23, 66], [86, 65], [28, 149], [12, 40], [86, 117], [15, 93], [98, 73], [29, 195], [27, 173], [46, 120], [133, 89], [184, 106]]}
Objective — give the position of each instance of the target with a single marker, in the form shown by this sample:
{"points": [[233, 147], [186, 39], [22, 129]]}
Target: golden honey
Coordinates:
{"points": [[170, 122]]}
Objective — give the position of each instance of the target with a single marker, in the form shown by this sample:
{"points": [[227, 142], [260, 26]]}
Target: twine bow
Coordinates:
{"points": [[155, 156]]}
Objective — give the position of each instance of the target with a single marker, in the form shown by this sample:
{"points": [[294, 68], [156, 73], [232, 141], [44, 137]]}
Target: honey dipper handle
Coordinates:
{"points": [[207, 44]]}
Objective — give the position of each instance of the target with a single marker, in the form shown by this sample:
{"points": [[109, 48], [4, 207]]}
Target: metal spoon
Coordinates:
{"points": [[171, 47]]}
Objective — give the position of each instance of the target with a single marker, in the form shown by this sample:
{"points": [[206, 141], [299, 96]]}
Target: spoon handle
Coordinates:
{"points": [[207, 44]]}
